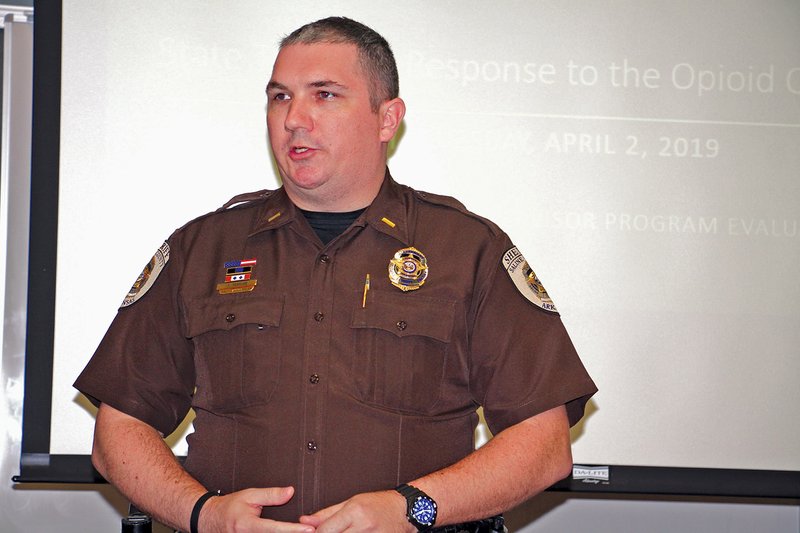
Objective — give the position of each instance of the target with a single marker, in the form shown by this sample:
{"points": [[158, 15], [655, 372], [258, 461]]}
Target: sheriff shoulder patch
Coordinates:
{"points": [[525, 280], [148, 276]]}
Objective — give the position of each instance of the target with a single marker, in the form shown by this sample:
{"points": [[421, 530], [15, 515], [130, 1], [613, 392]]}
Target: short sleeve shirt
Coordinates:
{"points": [[307, 366]]}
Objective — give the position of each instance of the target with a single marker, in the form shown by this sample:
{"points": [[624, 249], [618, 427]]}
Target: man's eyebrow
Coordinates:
{"points": [[276, 85], [327, 83]]}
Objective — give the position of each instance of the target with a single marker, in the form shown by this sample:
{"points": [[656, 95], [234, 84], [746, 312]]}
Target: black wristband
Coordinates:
{"points": [[201, 501]]}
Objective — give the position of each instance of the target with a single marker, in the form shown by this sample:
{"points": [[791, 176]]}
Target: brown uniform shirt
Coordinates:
{"points": [[302, 381]]}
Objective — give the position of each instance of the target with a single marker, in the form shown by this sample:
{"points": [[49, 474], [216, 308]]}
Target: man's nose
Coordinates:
{"points": [[298, 116]]}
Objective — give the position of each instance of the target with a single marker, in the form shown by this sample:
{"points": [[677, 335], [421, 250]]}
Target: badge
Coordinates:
{"points": [[526, 281], [148, 276], [408, 269], [238, 277]]}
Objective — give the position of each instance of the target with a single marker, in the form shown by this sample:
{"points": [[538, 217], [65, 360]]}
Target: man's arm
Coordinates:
{"points": [[516, 464], [133, 457]]}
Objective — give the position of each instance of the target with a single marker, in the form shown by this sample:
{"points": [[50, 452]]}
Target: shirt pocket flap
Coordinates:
{"points": [[406, 315], [216, 313]]}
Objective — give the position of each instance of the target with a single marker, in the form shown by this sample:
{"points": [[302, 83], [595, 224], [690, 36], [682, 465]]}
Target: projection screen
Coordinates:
{"points": [[644, 156]]}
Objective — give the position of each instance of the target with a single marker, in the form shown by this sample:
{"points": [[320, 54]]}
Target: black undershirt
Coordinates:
{"points": [[328, 226]]}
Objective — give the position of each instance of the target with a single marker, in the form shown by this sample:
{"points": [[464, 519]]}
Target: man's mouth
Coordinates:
{"points": [[300, 153]]}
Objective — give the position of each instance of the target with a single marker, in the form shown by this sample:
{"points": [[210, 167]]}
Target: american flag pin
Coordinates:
{"points": [[238, 277]]}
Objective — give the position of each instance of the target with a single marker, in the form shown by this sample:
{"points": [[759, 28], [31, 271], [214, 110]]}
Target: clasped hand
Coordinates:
{"points": [[382, 512]]}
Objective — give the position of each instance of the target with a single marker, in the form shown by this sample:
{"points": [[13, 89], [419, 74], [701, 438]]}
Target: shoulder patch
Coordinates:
{"points": [[526, 281], [148, 276]]}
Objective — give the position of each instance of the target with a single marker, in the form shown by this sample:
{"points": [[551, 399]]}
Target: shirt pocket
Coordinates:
{"points": [[400, 350], [237, 349]]}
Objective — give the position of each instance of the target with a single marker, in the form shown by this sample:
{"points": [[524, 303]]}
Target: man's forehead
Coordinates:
{"points": [[319, 65], [316, 56]]}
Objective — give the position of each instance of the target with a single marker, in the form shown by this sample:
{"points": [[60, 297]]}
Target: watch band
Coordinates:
{"points": [[407, 490]]}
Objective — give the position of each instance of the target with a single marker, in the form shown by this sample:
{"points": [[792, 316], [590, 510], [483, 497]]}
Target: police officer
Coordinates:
{"points": [[335, 337]]}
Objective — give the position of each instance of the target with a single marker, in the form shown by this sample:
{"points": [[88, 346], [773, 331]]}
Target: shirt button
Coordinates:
{"points": [[311, 445], [230, 317], [402, 325], [318, 316], [314, 379], [324, 258]]}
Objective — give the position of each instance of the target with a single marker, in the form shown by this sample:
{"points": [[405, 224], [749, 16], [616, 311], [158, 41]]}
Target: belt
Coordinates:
{"points": [[487, 525]]}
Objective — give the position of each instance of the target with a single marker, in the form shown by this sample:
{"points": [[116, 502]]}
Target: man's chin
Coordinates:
{"points": [[305, 185]]}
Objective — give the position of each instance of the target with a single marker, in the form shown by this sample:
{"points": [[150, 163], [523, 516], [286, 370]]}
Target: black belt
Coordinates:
{"points": [[487, 525]]}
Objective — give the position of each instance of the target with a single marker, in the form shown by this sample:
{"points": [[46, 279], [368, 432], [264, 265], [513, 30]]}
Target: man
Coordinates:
{"points": [[335, 337]]}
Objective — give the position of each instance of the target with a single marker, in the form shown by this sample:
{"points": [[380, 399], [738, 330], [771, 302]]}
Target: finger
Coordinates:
{"points": [[311, 520], [285, 527], [268, 496], [338, 523], [320, 516], [241, 511]]}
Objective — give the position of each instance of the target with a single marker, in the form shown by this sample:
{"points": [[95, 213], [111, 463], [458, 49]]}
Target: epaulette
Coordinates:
{"points": [[440, 199], [449, 201], [245, 198]]}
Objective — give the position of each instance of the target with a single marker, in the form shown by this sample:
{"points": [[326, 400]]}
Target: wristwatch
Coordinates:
{"points": [[420, 508]]}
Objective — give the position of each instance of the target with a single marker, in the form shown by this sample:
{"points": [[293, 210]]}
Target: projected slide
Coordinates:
{"points": [[644, 156]]}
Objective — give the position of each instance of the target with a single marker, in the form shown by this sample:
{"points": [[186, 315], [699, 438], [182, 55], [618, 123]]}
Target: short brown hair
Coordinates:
{"points": [[375, 55]]}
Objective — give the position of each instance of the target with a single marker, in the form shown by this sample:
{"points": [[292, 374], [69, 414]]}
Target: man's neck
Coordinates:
{"points": [[329, 225]]}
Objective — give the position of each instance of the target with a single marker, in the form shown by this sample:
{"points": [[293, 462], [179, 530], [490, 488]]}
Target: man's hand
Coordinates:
{"points": [[383, 511], [132, 456], [241, 512]]}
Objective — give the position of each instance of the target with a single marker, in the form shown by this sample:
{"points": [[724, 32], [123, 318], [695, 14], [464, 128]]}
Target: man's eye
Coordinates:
{"points": [[326, 95], [280, 96]]}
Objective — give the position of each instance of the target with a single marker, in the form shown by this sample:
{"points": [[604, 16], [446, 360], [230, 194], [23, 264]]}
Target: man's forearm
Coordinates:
{"points": [[133, 457], [516, 464]]}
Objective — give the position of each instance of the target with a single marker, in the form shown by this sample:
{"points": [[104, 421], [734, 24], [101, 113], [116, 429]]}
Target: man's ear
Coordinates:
{"points": [[391, 113]]}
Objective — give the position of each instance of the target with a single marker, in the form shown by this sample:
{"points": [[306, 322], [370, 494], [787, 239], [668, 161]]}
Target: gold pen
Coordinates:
{"points": [[366, 289]]}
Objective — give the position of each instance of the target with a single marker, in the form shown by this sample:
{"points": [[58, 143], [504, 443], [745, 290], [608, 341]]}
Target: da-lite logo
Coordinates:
{"points": [[591, 474]]}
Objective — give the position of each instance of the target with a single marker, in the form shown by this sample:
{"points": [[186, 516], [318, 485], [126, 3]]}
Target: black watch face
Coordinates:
{"points": [[424, 511]]}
